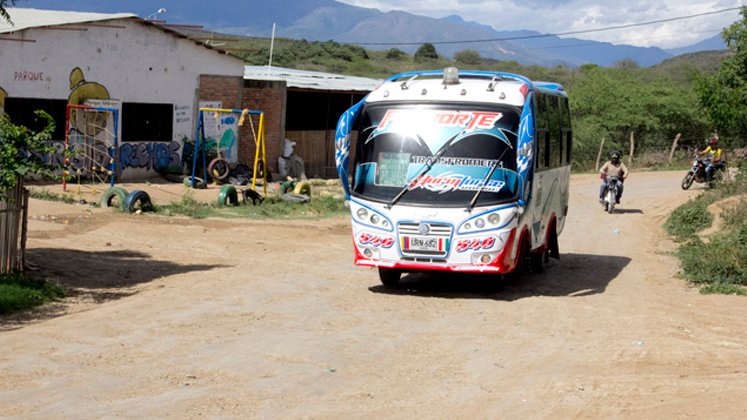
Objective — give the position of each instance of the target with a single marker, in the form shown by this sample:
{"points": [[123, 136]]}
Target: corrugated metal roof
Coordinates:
{"points": [[35, 18], [311, 79]]}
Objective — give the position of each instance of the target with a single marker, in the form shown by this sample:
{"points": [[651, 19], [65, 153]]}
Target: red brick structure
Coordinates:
{"points": [[257, 95]]}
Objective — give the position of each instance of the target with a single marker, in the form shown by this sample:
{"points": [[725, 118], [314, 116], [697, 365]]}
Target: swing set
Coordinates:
{"points": [[219, 165]]}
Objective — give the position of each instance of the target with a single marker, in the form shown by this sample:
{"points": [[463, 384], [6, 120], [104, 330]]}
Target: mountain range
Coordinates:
{"points": [[322, 20]]}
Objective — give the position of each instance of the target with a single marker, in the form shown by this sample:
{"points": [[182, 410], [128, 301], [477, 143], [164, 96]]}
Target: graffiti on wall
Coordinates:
{"points": [[88, 123], [221, 131], [149, 156]]}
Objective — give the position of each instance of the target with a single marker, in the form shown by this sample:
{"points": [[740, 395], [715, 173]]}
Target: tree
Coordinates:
{"points": [[22, 151], [469, 57], [724, 93], [426, 52], [395, 54], [3, 13]]}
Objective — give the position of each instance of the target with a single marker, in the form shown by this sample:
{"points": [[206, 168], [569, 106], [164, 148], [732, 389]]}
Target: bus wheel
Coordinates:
{"points": [[537, 261], [389, 277], [523, 260]]}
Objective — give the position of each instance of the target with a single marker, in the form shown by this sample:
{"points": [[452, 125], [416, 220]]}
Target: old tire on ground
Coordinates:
{"points": [[287, 187], [114, 197], [199, 182], [138, 200], [295, 198], [389, 277], [228, 196], [302, 187], [218, 168]]}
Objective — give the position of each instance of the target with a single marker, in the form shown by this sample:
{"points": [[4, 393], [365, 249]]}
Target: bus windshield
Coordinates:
{"points": [[437, 155]]}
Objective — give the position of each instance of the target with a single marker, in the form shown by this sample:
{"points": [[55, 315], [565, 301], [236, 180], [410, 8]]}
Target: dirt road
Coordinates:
{"points": [[189, 318]]}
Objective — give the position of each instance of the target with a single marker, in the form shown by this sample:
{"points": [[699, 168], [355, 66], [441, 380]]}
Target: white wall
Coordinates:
{"points": [[134, 61]]}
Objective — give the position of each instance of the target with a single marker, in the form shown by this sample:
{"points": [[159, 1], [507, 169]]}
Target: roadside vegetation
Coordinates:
{"points": [[716, 262], [273, 207], [19, 292]]}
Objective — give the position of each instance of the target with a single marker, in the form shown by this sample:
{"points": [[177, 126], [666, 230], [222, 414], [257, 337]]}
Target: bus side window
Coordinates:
{"points": [[566, 130], [555, 146], [542, 134]]}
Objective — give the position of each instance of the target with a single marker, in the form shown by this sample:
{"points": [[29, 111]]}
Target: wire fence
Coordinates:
{"points": [[13, 227]]}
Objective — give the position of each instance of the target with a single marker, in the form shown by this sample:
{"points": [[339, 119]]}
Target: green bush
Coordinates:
{"points": [[690, 217], [721, 261], [19, 292]]}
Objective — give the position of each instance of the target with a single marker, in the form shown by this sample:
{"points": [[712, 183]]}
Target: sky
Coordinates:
{"points": [[560, 16]]}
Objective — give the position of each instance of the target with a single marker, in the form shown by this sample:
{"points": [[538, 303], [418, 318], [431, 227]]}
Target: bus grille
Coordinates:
{"points": [[439, 233]]}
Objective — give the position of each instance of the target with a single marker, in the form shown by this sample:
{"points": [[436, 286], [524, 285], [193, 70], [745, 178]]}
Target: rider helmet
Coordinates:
{"points": [[714, 142], [615, 156]]}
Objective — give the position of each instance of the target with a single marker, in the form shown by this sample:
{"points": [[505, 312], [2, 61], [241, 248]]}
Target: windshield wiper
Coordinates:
{"points": [[485, 180], [426, 167]]}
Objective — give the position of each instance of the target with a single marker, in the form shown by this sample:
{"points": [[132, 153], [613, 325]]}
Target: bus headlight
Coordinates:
{"points": [[372, 218], [484, 221]]}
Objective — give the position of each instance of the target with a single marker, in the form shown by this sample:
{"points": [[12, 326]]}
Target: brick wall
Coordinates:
{"points": [[269, 97], [256, 95]]}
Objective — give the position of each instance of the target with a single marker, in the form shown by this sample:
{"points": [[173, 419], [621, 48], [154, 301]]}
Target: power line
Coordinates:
{"points": [[584, 31]]}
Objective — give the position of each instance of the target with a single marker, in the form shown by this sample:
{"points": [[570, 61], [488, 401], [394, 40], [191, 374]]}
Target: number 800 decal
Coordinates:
{"points": [[475, 244], [375, 240]]}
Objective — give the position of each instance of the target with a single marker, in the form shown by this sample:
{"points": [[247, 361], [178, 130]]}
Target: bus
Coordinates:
{"points": [[460, 171]]}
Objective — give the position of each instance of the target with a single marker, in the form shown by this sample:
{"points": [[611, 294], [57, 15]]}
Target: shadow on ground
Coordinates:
{"points": [[573, 275], [93, 277], [104, 269]]}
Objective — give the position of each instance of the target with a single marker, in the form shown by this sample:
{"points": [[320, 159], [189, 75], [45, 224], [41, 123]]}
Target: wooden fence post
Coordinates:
{"points": [[632, 148], [674, 146], [599, 155]]}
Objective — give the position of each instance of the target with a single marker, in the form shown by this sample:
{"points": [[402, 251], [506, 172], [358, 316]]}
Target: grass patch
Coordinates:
{"points": [[19, 292], [690, 217], [50, 196], [718, 265], [272, 208]]}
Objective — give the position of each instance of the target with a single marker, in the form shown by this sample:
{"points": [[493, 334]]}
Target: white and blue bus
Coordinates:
{"points": [[462, 171]]}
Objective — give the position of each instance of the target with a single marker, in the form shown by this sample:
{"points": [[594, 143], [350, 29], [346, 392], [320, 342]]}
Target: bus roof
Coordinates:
{"points": [[453, 85]]}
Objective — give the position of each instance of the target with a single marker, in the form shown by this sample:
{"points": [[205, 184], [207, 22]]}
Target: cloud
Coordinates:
{"points": [[550, 16]]}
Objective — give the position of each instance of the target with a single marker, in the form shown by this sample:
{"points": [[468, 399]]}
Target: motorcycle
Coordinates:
{"points": [[610, 194], [696, 173]]}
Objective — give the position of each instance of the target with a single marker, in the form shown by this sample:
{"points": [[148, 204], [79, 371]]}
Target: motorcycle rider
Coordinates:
{"points": [[613, 168], [712, 155]]}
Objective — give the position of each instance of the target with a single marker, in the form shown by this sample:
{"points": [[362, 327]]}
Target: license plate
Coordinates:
{"points": [[422, 243]]}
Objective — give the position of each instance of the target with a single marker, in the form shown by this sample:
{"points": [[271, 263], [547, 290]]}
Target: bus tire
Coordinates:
{"points": [[389, 276], [537, 262], [138, 200], [114, 197], [228, 196], [523, 260], [552, 244], [302, 188]]}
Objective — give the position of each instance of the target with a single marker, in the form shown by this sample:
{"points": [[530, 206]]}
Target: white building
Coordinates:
{"points": [[156, 76]]}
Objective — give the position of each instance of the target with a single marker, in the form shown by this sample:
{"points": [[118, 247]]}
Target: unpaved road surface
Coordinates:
{"points": [[234, 318]]}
